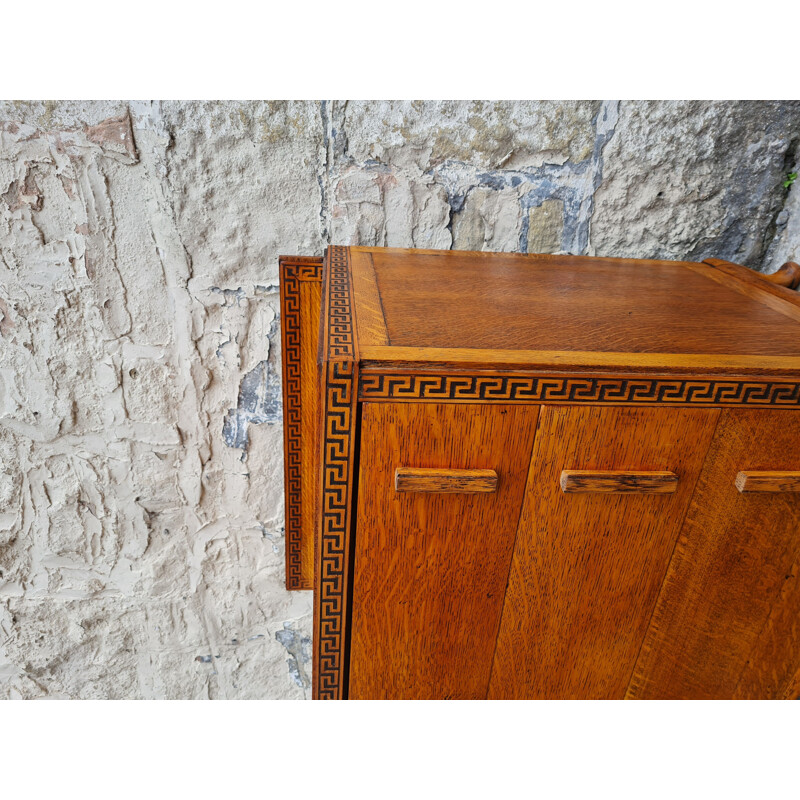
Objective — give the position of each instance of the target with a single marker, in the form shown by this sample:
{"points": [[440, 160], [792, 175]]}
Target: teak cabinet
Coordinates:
{"points": [[514, 476]]}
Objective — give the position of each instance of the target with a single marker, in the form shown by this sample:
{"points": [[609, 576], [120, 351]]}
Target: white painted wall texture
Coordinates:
{"points": [[141, 477]]}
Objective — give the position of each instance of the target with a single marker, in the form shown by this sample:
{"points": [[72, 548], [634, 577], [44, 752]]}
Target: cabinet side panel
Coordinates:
{"points": [[727, 622], [431, 569], [587, 567], [300, 308]]}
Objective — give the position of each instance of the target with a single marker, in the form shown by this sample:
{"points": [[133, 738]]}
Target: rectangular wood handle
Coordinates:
{"points": [[446, 481], [769, 481], [618, 482]]}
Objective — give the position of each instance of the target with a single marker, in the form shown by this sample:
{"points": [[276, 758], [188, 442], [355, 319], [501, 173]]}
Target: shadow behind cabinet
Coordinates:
{"points": [[520, 476]]}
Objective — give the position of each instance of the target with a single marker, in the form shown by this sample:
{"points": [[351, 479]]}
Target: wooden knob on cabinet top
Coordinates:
{"points": [[788, 275]]}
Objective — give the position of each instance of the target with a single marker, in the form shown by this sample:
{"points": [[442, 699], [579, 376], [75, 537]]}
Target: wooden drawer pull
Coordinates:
{"points": [[460, 481], [768, 481], [618, 481]]}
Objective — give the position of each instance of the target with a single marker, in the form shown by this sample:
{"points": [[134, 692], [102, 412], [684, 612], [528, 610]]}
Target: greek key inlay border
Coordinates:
{"points": [[339, 421], [559, 389], [341, 331], [292, 275]]}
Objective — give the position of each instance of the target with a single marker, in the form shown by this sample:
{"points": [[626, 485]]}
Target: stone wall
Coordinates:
{"points": [[141, 509]]}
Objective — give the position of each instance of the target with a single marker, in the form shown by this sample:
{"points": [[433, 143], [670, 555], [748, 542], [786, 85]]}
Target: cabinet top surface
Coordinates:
{"points": [[429, 305]]}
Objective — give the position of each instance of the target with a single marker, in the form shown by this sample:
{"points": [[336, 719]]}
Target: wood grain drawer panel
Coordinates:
{"points": [[727, 622], [431, 569], [587, 567]]}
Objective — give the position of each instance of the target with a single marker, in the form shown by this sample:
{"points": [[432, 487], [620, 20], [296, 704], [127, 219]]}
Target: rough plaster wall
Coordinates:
{"points": [[141, 509]]}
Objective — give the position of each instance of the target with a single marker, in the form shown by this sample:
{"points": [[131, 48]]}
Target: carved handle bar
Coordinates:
{"points": [[445, 481], [618, 482], [769, 481]]}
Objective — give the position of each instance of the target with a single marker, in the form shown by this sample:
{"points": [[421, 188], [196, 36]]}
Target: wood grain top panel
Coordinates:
{"points": [[371, 322], [503, 301]]}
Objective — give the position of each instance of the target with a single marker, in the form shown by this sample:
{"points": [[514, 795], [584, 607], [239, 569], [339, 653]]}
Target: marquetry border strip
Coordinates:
{"points": [[341, 332], [340, 370], [557, 389], [294, 270]]}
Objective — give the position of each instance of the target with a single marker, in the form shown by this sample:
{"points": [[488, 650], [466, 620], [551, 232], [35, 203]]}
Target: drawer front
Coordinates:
{"points": [[439, 494], [727, 622], [607, 493]]}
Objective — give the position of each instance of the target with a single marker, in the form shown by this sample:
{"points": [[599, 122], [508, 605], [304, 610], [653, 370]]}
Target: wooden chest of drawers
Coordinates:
{"points": [[515, 476]]}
